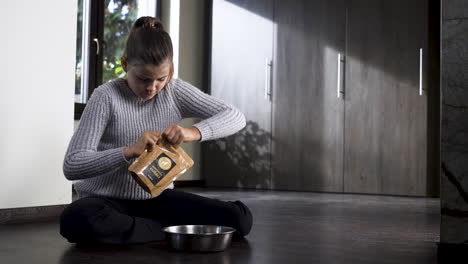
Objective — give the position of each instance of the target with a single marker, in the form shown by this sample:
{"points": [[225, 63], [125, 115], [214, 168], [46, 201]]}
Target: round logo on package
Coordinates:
{"points": [[164, 163]]}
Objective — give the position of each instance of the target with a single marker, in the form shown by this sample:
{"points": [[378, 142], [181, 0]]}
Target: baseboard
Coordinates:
{"points": [[452, 253], [189, 183], [31, 214]]}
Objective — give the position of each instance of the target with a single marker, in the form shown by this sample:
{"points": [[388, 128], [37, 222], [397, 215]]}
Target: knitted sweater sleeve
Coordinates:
{"points": [[82, 159], [220, 119]]}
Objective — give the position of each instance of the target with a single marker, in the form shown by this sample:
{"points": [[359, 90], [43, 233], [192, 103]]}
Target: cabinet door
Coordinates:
{"points": [[385, 139], [242, 40], [307, 113]]}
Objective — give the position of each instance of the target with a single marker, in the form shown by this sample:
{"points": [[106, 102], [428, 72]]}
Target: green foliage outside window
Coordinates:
{"points": [[119, 16]]}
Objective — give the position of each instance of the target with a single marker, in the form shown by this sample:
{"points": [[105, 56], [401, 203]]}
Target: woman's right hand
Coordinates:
{"points": [[147, 141]]}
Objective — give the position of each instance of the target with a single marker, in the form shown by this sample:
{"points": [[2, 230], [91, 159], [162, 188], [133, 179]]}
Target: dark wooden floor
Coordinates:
{"points": [[289, 227]]}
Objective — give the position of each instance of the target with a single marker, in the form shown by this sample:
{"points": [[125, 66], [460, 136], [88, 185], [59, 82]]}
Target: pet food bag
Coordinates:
{"points": [[155, 170]]}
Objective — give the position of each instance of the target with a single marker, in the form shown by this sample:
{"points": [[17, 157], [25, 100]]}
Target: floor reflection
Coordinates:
{"points": [[158, 252]]}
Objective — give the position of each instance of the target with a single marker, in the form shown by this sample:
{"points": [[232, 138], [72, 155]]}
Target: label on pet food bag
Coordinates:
{"points": [[159, 168], [155, 170]]}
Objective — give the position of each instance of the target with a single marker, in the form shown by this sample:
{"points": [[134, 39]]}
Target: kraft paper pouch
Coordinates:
{"points": [[157, 169]]}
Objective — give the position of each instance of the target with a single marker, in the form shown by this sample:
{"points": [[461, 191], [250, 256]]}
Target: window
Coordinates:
{"points": [[102, 28]]}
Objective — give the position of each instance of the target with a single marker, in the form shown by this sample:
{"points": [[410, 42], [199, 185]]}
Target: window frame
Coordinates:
{"points": [[94, 58]]}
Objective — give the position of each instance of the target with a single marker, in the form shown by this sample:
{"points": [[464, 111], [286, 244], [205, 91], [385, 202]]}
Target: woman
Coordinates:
{"points": [[122, 119]]}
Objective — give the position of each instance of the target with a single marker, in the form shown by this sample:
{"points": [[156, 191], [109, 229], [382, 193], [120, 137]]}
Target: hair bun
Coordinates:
{"points": [[148, 22]]}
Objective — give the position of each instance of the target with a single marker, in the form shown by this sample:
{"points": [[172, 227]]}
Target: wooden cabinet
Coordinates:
{"points": [[307, 113], [242, 47], [386, 113], [346, 112]]}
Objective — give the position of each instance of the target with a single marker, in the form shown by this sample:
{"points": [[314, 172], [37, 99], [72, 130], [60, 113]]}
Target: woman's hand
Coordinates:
{"points": [[176, 134], [147, 141]]}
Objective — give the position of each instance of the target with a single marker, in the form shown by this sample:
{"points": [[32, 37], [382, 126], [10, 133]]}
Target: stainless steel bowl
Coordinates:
{"points": [[199, 237]]}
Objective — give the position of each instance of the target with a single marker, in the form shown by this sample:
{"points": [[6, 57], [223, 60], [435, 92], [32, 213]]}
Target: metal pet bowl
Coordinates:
{"points": [[199, 237]]}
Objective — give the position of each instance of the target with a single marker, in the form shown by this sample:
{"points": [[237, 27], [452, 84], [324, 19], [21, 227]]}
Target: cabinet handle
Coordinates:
{"points": [[420, 71], [268, 64], [338, 77]]}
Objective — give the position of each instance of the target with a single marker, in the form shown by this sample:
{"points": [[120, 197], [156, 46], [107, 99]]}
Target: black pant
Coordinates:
{"points": [[104, 220]]}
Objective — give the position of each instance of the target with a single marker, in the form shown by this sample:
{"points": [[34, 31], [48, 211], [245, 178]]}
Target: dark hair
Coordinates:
{"points": [[148, 43]]}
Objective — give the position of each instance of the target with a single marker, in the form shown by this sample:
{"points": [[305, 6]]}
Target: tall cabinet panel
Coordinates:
{"points": [[242, 47], [307, 112], [386, 115], [334, 92]]}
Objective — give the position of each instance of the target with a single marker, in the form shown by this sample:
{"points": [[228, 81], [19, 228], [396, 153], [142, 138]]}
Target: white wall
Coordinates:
{"points": [[36, 100]]}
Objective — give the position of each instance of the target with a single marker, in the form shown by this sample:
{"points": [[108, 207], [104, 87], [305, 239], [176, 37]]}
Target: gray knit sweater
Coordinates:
{"points": [[114, 118]]}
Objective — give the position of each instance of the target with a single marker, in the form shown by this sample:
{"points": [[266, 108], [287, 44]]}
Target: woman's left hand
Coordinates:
{"points": [[176, 134]]}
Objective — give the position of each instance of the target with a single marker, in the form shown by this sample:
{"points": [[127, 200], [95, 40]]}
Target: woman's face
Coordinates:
{"points": [[147, 80]]}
